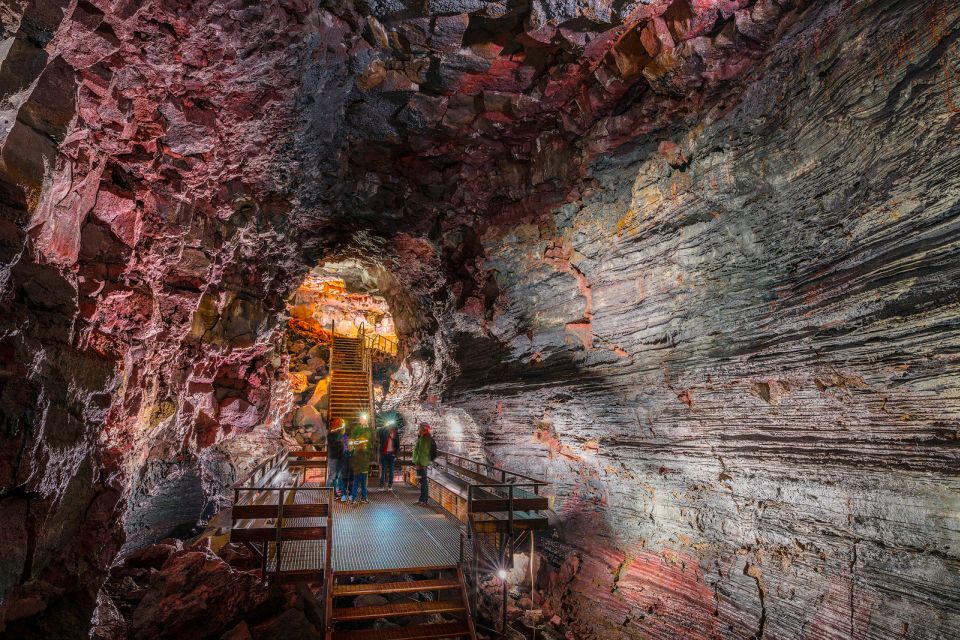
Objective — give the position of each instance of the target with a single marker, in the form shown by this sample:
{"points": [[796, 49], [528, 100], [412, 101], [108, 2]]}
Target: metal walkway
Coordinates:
{"points": [[390, 545], [392, 533]]}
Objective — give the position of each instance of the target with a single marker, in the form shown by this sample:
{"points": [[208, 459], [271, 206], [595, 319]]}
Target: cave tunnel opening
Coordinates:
{"points": [[336, 299]]}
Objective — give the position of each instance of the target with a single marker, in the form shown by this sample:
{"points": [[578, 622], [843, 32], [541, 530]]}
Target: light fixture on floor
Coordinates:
{"points": [[502, 574]]}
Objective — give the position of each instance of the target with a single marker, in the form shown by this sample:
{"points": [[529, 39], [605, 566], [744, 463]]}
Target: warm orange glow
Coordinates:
{"points": [[323, 301], [299, 382]]}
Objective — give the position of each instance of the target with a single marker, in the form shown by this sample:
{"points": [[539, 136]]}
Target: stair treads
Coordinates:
{"points": [[407, 586], [400, 609], [416, 632]]}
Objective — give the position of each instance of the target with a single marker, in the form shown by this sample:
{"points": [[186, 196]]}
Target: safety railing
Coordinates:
{"points": [[502, 510], [265, 514], [472, 468], [277, 515], [383, 344], [259, 472], [330, 380]]}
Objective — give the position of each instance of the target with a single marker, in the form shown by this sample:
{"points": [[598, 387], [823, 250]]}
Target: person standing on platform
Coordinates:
{"points": [[346, 472], [389, 448], [424, 453], [360, 454], [336, 455]]}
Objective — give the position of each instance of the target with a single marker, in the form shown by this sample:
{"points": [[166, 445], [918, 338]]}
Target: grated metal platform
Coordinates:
{"points": [[298, 556], [391, 532]]}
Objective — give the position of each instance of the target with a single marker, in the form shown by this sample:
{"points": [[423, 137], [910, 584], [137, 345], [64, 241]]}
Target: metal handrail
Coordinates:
{"points": [[366, 364], [382, 344], [264, 466], [279, 521], [503, 472], [505, 485], [333, 326]]}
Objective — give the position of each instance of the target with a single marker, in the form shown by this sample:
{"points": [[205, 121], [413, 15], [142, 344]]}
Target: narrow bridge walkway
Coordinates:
{"points": [[389, 562], [391, 533]]}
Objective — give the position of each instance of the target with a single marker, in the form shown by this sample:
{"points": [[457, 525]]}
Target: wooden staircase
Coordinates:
{"points": [[434, 593]]}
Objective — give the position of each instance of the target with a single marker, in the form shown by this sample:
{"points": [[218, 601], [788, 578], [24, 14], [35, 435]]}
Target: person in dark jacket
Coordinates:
{"points": [[424, 453], [389, 449], [336, 456]]}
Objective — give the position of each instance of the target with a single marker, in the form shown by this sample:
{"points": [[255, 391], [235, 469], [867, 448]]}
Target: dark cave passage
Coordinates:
{"points": [[689, 267]]}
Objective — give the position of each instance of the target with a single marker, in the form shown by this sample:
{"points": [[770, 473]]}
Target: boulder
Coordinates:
{"points": [[198, 595]]}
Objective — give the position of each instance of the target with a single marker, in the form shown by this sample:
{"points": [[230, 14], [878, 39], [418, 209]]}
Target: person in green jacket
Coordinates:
{"points": [[361, 440], [424, 453]]}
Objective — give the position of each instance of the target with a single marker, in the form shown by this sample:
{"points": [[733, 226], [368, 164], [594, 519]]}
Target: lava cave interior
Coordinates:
{"points": [[675, 284]]}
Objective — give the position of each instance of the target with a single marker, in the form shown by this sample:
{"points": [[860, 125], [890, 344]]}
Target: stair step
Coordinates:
{"points": [[408, 586], [415, 632], [343, 614]]}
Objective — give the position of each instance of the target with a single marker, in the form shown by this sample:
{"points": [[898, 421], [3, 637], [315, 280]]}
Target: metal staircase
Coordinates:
{"points": [[351, 386], [350, 381]]}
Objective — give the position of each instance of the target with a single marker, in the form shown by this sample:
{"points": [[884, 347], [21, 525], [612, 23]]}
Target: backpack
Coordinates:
{"points": [[433, 449]]}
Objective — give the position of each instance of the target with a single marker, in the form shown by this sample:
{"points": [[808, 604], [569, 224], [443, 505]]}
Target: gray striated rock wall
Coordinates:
{"points": [[738, 361]]}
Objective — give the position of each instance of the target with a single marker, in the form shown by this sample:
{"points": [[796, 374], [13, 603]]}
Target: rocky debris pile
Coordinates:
{"points": [[168, 591], [308, 365]]}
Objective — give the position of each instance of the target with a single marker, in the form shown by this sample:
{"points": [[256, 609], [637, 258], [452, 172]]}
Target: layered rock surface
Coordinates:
{"points": [[692, 261], [734, 354]]}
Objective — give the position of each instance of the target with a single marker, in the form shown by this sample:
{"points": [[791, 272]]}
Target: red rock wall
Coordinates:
{"points": [[140, 297]]}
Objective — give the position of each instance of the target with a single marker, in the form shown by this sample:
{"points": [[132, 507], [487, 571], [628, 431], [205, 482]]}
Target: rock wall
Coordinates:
{"points": [[734, 353], [141, 282]]}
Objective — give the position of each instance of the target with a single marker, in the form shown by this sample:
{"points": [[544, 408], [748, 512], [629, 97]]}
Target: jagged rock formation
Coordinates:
{"points": [[695, 261]]}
